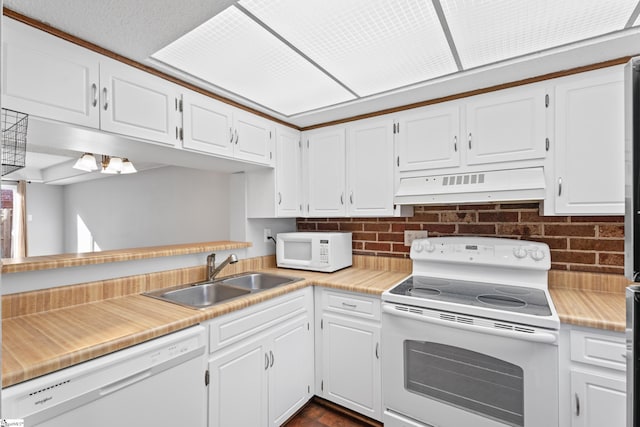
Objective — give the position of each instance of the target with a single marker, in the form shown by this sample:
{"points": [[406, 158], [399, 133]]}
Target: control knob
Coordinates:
{"points": [[537, 255], [519, 252], [417, 246], [430, 247]]}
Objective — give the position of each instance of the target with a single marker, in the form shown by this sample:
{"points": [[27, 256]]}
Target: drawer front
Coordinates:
{"points": [[352, 304], [606, 350], [233, 327]]}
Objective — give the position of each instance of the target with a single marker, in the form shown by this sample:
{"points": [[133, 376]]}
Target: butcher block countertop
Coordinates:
{"points": [[40, 343]]}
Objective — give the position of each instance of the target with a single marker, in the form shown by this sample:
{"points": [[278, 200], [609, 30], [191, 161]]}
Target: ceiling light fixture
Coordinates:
{"points": [[109, 164], [86, 162]]}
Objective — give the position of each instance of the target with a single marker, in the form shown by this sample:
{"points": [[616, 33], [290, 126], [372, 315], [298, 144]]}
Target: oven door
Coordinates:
{"points": [[446, 370]]}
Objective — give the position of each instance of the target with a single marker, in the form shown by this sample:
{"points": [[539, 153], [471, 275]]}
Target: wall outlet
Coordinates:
{"points": [[267, 234], [411, 235]]}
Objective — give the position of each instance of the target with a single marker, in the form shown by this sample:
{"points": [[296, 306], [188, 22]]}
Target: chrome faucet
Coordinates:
{"points": [[212, 270]]}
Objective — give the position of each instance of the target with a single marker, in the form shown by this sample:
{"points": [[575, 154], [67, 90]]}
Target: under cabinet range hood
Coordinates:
{"points": [[510, 185]]}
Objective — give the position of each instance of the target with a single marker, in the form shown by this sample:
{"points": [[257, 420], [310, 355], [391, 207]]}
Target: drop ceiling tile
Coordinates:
{"points": [[488, 31], [371, 46], [233, 52]]}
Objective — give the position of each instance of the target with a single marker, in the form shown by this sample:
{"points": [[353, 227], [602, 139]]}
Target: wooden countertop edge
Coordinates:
{"points": [[198, 316], [18, 265]]}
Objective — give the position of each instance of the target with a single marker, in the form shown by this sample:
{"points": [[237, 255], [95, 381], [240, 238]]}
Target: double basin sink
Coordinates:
{"points": [[207, 294]]}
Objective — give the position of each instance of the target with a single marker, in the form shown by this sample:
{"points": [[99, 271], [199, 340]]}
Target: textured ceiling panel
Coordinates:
{"points": [[488, 31], [371, 46], [235, 53]]}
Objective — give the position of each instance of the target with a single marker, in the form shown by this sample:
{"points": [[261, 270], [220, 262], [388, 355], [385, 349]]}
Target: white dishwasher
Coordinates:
{"points": [[157, 383]]}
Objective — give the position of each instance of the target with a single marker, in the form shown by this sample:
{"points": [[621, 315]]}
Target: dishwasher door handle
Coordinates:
{"points": [[125, 382], [537, 336]]}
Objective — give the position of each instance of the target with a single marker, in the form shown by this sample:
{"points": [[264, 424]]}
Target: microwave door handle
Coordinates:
{"points": [[540, 337]]}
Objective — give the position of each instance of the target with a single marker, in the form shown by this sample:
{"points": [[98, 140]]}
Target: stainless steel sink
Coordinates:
{"points": [[207, 294], [199, 296], [257, 281]]}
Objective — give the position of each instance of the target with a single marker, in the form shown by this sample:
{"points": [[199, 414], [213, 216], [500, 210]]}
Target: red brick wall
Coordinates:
{"points": [[577, 243]]}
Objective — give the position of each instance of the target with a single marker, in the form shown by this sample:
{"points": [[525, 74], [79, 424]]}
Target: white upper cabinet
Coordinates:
{"points": [[49, 77], [213, 127], [326, 173], [588, 167], [207, 125], [370, 168], [506, 126], [427, 138], [138, 104], [252, 138], [288, 173], [278, 192]]}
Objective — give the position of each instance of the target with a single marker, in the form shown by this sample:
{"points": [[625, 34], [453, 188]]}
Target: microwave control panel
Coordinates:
{"points": [[324, 251]]}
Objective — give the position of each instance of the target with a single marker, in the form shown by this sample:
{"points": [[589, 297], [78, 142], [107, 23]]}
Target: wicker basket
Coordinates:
{"points": [[14, 140]]}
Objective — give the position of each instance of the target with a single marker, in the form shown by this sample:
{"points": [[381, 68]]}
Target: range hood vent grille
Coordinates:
{"points": [[478, 187]]}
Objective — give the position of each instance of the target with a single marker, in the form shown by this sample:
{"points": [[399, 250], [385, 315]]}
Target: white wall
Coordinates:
{"points": [[161, 206], [45, 219]]}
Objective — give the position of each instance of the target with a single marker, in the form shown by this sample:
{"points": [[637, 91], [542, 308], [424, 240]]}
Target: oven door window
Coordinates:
{"points": [[466, 379]]}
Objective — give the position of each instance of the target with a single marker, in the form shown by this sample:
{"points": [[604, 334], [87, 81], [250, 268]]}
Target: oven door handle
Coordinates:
{"points": [[537, 336]]}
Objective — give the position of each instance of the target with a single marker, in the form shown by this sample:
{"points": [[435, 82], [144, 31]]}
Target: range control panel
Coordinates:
{"points": [[483, 251]]}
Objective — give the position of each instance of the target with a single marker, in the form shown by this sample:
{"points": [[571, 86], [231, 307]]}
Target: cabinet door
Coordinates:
{"points": [[598, 400], [288, 174], [428, 139], [252, 138], [370, 169], [351, 367], [47, 77], [506, 126], [326, 173], [290, 370], [207, 125], [238, 385], [589, 145], [138, 104]]}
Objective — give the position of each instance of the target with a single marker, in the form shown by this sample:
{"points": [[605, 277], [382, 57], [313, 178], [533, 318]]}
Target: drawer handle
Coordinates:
{"points": [[577, 405], [349, 305]]}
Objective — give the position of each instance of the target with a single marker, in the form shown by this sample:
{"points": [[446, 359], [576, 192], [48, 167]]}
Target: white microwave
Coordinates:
{"points": [[314, 250]]}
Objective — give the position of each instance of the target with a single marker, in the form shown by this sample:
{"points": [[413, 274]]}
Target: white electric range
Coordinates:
{"points": [[470, 338]]}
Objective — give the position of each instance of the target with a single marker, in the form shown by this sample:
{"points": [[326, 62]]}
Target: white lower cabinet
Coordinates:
{"points": [[261, 362], [593, 381], [348, 369]]}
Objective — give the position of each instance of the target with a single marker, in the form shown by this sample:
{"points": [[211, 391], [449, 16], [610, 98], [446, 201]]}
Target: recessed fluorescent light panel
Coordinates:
{"points": [[371, 46], [234, 52], [485, 31]]}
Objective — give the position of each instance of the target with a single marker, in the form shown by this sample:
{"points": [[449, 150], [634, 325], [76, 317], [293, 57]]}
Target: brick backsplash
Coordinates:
{"points": [[578, 243]]}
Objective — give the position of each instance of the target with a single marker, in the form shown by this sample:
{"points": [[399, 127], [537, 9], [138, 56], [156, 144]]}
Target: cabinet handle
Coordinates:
{"points": [[398, 161], [342, 198], [272, 358], [266, 361], [455, 144], [231, 135], [559, 186], [377, 348], [106, 99], [351, 197], [353, 306], [577, 405], [237, 137], [469, 140], [94, 91], [176, 132], [279, 198]]}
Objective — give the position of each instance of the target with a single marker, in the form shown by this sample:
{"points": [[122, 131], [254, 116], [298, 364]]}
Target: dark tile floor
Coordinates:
{"points": [[315, 415]]}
